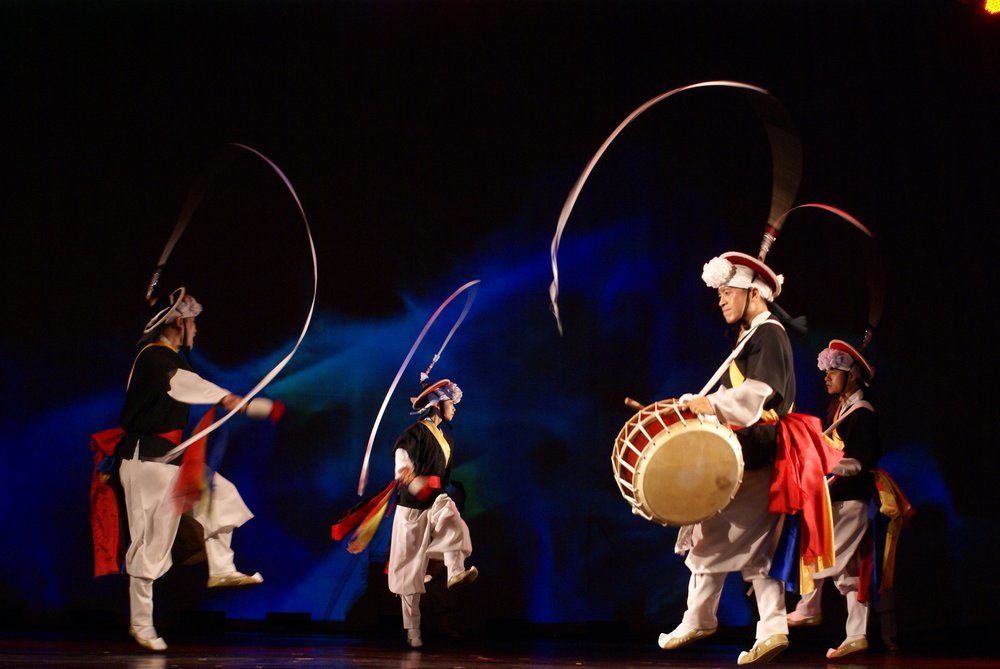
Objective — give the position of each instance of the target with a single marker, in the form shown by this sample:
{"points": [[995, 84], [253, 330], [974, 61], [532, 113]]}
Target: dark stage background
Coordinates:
{"points": [[435, 143]]}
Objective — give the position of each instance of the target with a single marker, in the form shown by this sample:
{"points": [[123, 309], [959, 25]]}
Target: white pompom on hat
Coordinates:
{"points": [[840, 355], [740, 270]]}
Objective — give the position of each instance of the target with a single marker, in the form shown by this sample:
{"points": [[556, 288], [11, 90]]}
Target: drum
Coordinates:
{"points": [[675, 467]]}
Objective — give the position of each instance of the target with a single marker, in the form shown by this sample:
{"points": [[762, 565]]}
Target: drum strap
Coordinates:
{"points": [[732, 356]]}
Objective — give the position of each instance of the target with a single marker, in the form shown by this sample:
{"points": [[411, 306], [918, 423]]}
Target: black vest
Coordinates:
{"points": [[428, 459]]}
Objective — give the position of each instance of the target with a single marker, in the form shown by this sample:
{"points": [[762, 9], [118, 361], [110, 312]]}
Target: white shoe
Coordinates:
{"points": [[235, 580], [848, 648], [463, 578], [148, 638], [673, 641], [764, 650], [413, 639]]}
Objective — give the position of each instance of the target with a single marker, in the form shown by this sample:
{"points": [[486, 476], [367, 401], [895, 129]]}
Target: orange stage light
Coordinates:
{"points": [[992, 6]]}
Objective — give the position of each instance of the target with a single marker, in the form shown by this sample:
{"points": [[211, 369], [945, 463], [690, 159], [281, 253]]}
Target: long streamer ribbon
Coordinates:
{"points": [[305, 326], [351, 519], [786, 159], [363, 480], [191, 202], [469, 299], [873, 263]]}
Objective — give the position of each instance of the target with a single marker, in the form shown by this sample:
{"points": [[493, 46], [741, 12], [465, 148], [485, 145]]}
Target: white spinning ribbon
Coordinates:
{"points": [[305, 327], [786, 157], [363, 480], [873, 261]]}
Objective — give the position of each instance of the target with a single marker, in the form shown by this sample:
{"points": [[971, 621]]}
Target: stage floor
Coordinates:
{"points": [[272, 651]]}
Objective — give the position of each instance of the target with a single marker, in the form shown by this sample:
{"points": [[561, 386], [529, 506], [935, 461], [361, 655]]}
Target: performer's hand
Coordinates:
{"points": [[406, 476], [230, 401], [700, 405]]}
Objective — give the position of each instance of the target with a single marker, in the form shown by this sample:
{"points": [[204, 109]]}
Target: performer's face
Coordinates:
{"points": [[732, 302], [447, 410], [836, 381]]}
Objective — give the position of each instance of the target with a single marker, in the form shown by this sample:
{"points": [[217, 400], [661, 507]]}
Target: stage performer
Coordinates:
{"points": [[757, 391], [854, 430], [427, 524], [160, 391]]}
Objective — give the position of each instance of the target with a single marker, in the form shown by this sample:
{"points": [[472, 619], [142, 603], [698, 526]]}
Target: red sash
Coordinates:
{"points": [[802, 461]]}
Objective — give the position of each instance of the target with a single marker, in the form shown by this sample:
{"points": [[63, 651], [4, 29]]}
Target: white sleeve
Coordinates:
{"points": [[190, 388], [847, 467], [403, 461], [742, 405]]}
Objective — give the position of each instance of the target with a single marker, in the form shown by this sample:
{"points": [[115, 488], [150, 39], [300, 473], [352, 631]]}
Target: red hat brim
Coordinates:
{"points": [[420, 401], [841, 345], [759, 268]]}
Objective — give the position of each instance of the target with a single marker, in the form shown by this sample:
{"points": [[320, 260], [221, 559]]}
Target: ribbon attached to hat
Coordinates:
{"points": [[873, 264], [472, 287], [194, 197], [786, 159]]}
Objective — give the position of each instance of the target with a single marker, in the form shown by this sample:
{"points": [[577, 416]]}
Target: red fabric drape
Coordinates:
{"points": [[352, 518], [104, 519], [802, 461], [866, 556], [191, 484]]}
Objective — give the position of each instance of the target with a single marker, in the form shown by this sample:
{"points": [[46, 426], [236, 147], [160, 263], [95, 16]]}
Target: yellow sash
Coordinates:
{"points": [[896, 507], [736, 380], [439, 435], [834, 438]]}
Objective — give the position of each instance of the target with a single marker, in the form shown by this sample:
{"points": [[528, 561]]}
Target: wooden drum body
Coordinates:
{"points": [[675, 467]]}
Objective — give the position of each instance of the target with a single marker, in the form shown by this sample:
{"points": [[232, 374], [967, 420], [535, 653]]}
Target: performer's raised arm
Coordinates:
{"points": [[188, 387]]}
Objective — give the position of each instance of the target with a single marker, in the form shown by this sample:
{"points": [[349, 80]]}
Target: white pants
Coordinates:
{"points": [[704, 591], [850, 522], [418, 536], [153, 521], [741, 538], [411, 611]]}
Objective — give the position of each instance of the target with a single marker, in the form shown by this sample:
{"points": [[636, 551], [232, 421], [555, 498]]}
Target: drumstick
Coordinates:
{"points": [[632, 404]]}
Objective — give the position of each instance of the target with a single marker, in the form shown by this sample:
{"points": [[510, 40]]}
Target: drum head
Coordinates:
{"points": [[689, 477]]}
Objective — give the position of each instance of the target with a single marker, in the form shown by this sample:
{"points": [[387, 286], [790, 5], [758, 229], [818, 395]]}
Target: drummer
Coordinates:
{"points": [[757, 390]]}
